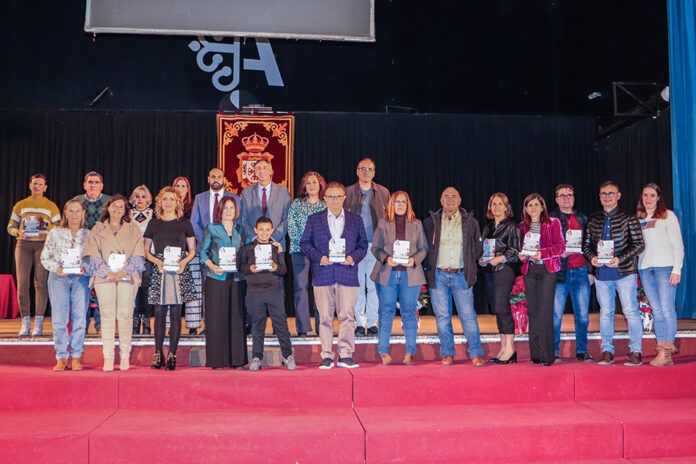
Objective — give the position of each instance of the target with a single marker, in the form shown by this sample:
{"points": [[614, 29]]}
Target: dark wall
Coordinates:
{"points": [[444, 56]]}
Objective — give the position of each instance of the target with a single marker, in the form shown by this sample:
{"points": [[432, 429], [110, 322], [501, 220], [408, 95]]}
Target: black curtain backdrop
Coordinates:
{"points": [[421, 154]]}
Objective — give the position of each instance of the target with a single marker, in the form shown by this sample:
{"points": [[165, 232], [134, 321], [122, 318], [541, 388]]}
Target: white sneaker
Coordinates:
{"points": [[255, 364]]}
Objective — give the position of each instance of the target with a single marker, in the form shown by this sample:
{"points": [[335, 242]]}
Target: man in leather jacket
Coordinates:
{"points": [[617, 274], [573, 279]]}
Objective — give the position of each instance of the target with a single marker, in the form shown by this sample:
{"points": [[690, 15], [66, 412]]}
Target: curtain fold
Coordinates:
{"points": [[682, 67]]}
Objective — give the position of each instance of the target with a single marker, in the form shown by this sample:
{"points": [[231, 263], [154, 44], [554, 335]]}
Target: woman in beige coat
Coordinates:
{"points": [[400, 247], [115, 258]]}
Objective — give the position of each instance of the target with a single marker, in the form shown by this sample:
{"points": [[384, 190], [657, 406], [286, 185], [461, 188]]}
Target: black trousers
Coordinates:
{"points": [[259, 306], [540, 289], [161, 326], [225, 342], [498, 288]]}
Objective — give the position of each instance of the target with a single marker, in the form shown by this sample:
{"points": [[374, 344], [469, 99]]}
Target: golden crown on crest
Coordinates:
{"points": [[255, 143]]}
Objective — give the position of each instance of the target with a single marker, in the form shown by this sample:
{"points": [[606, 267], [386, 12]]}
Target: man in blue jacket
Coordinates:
{"points": [[335, 283]]}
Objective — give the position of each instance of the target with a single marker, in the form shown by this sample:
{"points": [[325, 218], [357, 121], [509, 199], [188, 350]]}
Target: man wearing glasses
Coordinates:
{"points": [[613, 240], [367, 199], [573, 279]]}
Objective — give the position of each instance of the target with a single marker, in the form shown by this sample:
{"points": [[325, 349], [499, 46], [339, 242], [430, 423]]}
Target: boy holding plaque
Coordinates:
{"points": [[613, 240], [263, 264]]}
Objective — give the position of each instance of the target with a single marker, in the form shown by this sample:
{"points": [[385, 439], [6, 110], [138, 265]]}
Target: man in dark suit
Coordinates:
{"points": [[205, 202], [268, 199], [335, 283]]}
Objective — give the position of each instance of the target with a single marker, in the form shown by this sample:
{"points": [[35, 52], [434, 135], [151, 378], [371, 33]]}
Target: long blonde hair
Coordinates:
{"points": [[158, 203]]}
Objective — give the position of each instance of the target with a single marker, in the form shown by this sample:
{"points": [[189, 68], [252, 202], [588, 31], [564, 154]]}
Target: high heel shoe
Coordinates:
{"points": [[158, 360], [511, 360], [171, 362]]}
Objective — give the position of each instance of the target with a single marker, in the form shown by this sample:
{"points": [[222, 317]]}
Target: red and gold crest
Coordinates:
{"points": [[243, 140]]}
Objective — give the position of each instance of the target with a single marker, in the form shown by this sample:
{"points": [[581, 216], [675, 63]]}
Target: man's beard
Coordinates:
{"points": [[215, 185]]}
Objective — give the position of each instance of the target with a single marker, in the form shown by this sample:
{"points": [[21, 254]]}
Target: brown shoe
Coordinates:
{"points": [[664, 355], [477, 362], [386, 359], [408, 359], [447, 361], [61, 365], [76, 364], [606, 359], [634, 359]]}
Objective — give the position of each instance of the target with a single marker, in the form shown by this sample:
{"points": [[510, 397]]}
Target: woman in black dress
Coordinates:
{"points": [[225, 342], [171, 282]]}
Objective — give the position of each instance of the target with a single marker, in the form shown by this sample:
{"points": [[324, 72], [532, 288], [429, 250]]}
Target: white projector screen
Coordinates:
{"points": [[350, 20]]}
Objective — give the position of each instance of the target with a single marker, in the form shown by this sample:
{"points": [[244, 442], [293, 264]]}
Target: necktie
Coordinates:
{"points": [[215, 205], [264, 201]]}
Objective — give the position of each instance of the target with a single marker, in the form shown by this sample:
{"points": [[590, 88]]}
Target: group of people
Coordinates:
{"points": [[222, 257]]}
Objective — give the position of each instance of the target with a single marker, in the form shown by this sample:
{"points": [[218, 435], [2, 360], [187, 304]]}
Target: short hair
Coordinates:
{"points": [[126, 216], [391, 214], [263, 160], [179, 211], [543, 217], [263, 220], [506, 202], [564, 186], [38, 175], [336, 185], [217, 214], [367, 159], [94, 174], [64, 219], [609, 183], [144, 188], [303, 183]]}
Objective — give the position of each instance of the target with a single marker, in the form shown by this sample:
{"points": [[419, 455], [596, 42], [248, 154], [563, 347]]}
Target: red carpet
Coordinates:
{"points": [[571, 413]]}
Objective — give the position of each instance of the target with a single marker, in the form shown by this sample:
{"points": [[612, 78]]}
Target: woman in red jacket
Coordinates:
{"points": [[542, 247]]}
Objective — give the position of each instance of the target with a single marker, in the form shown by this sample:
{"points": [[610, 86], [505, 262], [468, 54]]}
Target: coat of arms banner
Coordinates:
{"points": [[245, 139]]}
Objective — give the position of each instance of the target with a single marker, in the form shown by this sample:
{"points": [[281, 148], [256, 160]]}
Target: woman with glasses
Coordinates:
{"points": [[399, 248]]}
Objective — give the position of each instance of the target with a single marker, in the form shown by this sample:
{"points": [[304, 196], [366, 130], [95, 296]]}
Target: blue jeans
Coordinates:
{"points": [[628, 294], [407, 296], [69, 299], [448, 286], [577, 285], [367, 304], [662, 298]]}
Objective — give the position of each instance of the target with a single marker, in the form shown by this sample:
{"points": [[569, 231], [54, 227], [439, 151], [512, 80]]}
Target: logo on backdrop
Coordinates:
{"points": [[226, 78]]}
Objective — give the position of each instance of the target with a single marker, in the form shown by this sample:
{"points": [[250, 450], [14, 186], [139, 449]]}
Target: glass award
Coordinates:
{"points": [[401, 251], [32, 226], [172, 257], [71, 261], [573, 241], [488, 249], [228, 259], [605, 251], [264, 256], [337, 250], [530, 247]]}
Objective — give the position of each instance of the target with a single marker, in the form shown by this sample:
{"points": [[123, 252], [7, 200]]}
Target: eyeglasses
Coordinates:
{"points": [[366, 169], [607, 194], [334, 197], [565, 196]]}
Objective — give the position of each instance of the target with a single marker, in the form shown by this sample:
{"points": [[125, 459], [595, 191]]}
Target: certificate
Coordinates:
{"points": [[605, 251], [573, 241], [337, 250], [228, 259], [71, 260], [401, 251], [263, 254], [531, 243], [172, 257]]}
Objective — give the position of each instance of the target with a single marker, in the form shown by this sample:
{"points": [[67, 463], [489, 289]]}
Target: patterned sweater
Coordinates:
{"points": [[93, 208], [40, 215]]}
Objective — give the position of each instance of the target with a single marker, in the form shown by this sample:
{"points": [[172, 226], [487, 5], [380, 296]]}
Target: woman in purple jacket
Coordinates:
{"points": [[542, 247]]}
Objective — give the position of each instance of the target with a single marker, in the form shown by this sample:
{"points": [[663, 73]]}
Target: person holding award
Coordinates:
{"points": [[399, 248], [141, 213], [335, 242], [309, 201], [501, 244], [225, 343], [612, 242], [31, 220], [541, 252], [263, 264], [171, 282], [114, 257], [660, 267], [573, 279], [68, 285]]}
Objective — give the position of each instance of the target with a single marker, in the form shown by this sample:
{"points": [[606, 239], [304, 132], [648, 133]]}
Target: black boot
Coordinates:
{"points": [[146, 325], [136, 325], [171, 362], [158, 360]]}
